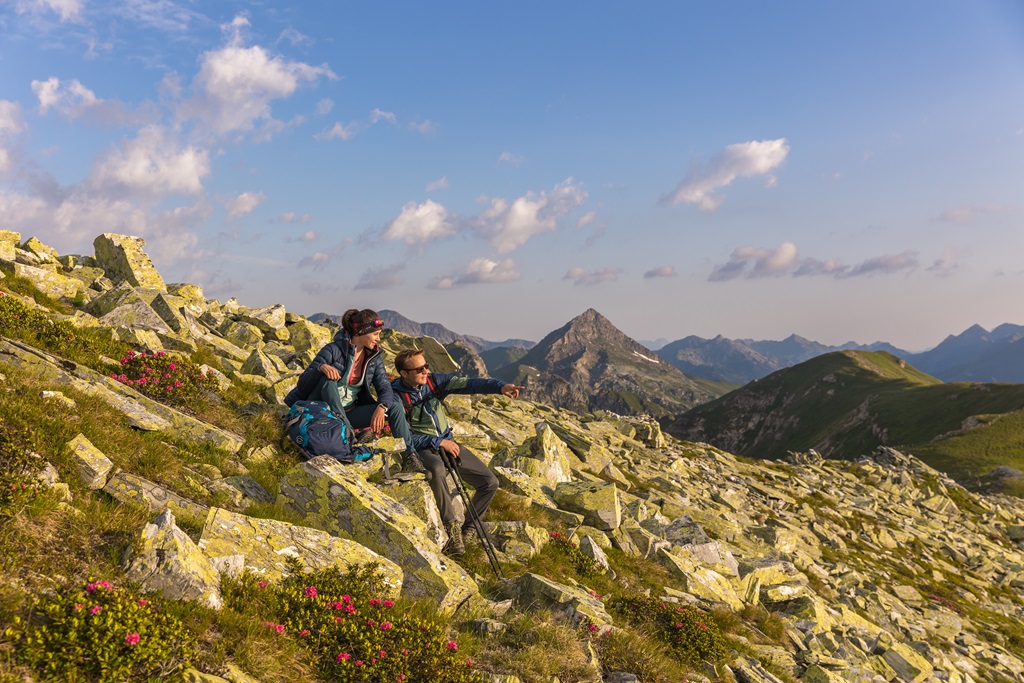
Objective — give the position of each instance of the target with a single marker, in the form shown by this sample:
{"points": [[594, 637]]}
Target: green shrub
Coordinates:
{"points": [[103, 634], [21, 322], [18, 484], [354, 633], [585, 566], [177, 382], [692, 634]]}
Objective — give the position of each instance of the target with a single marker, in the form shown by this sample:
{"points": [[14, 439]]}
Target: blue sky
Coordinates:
{"points": [[841, 171]]}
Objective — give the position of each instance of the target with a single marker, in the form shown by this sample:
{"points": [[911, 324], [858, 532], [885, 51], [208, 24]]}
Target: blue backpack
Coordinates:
{"points": [[316, 430]]}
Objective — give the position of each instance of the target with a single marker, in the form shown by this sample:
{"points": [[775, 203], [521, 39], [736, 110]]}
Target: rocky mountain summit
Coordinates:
{"points": [[627, 555], [589, 364]]}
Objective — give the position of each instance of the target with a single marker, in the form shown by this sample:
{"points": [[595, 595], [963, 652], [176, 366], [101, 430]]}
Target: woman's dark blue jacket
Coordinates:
{"points": [[340, 353]]}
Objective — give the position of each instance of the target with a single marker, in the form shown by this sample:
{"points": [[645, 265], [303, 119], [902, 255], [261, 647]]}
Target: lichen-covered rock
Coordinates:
{"points": [[517, 539], [532, 590], [269, 320], [701, 582], [9, 241], [93, 466], [544, 458], [134, 314], [242, 335], [597, 502], [192, 294], [249, 489], [47, 281], [342, 503], [135, 490], [124, 259], [593, 550], [164, 559], [308, 338], [168, 307], [521, 484], [265, 544], [259, 364], [417, 497], [585, 445], [45, 253]]}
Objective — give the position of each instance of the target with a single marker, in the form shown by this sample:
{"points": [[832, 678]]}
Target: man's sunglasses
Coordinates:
{"points": [[425, 366]]}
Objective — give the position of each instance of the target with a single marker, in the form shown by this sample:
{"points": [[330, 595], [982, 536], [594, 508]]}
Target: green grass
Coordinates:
{"points": [[848, 403]]}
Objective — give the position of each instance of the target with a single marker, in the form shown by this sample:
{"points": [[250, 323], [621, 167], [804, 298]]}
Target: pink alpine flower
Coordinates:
{"points": [[385, 625], [342, 657], [388, 603], [131, 639], [310, 591], [452, 645], [263, 584], [374, 602], [95, 609]]}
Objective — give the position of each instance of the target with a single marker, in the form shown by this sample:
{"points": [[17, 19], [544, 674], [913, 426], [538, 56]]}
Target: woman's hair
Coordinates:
{"points": [[357, 322]]}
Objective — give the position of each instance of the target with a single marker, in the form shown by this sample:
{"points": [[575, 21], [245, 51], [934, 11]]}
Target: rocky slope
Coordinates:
{"points": [[589, 364], [877, 569]]}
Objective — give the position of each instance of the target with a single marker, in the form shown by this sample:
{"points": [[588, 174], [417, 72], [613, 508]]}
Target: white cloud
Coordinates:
{"points": [[586, 219], [758, 262], [151, 164], [6, 161], [480, 271], [741, 160], [67, 9], [508, 225], [318, 260], [76, 101], [965, 215], [243, 204], [753, 262], [236, 84], [884, 265], [426, 127], [324, 106], [421, 223], [439, 184], [581, 277], [292, 217], [379, 115], [339, 131], [510, 158], [383, 277], [947, 263], [10, 117], [660, 271]]}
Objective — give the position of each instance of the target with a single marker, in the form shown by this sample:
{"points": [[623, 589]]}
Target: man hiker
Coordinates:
{"points": [[422, 394]]}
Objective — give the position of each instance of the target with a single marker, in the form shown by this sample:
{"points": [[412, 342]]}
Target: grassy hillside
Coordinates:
{"points": [[846, 404]]}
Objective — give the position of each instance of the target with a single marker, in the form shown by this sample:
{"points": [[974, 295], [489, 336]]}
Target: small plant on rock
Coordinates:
{"points": [[689, 632], [19, 321], [178, 382], [585, 566], [18, 484], [102, 634], [355, 632]]}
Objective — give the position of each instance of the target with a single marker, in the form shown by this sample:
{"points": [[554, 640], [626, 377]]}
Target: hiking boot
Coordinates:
{"points": [[411, 463], [455, 545]]}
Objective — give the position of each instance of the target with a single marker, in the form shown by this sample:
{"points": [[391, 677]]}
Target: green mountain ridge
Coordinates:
{"points": [[846, 403]]}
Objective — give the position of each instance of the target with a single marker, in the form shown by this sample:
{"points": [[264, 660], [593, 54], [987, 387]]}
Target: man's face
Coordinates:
{"points": [[415, 371]]}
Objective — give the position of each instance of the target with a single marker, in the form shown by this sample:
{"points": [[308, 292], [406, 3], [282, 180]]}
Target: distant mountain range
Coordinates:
{"points": [[397, 321], [589, 364], [975, 355], [847, 403]]}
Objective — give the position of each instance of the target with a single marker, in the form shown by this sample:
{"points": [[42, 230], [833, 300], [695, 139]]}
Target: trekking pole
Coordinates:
{"points": [[452, 465]]}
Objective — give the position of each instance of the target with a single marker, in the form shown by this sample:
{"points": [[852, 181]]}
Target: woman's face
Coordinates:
{"points": [[367, 341]]}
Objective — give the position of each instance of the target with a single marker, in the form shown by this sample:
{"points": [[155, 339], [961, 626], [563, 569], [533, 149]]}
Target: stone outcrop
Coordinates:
{"points": [[236, 542], [123, 258], [341, 503], [164, 559]]}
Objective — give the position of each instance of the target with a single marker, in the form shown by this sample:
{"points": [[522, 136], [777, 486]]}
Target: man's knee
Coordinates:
{"points": [[489, 484]]}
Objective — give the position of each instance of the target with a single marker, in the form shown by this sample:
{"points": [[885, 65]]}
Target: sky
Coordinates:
{"points": [[840, 171]]}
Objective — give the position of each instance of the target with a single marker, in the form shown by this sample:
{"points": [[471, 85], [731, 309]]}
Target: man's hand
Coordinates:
{"points": [[450, 447], [379, 420], [511, 390], [331, 371]]}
